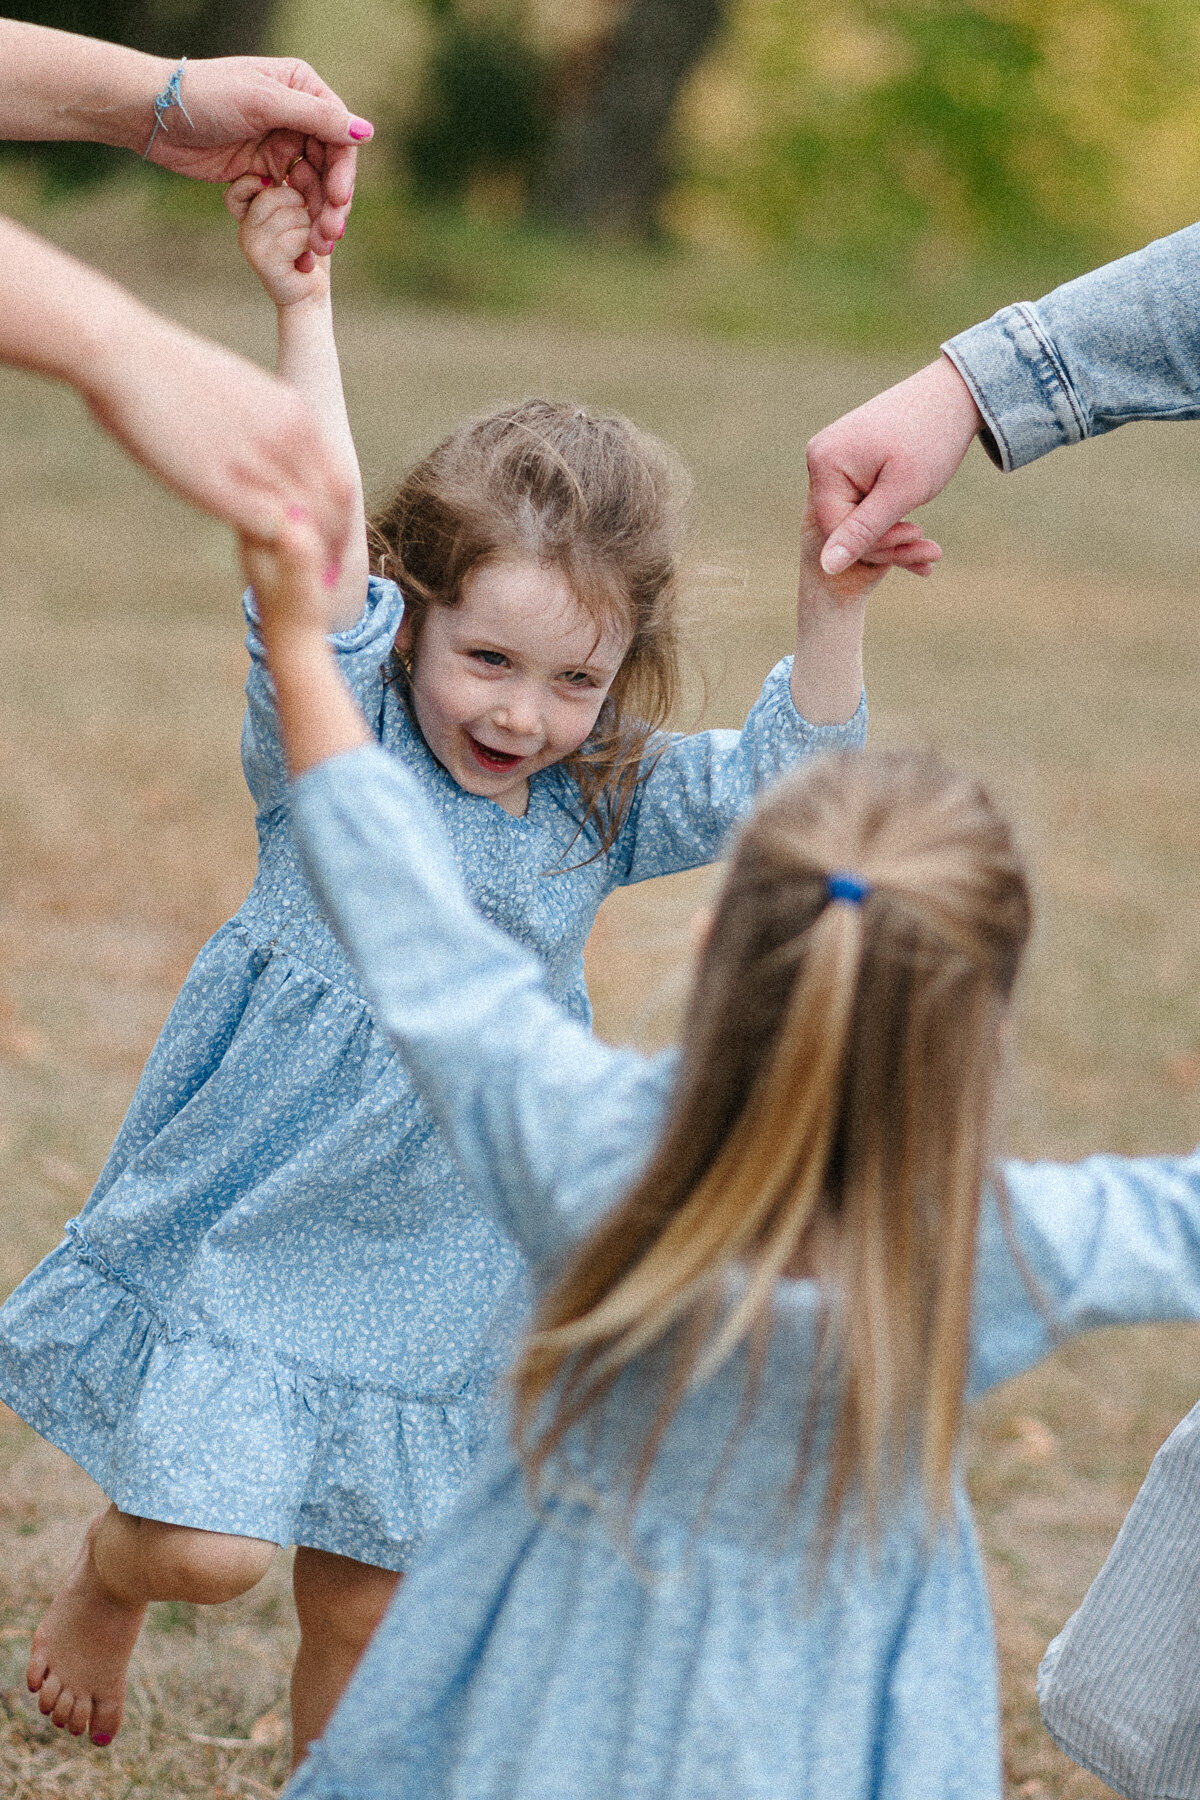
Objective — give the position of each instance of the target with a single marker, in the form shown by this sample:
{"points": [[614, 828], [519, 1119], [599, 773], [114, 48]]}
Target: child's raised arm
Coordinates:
{"points": [[273, 235], [827, 673]]}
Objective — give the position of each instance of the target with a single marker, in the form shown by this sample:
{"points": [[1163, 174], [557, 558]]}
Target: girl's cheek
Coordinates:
{"points": [[576, 731]]}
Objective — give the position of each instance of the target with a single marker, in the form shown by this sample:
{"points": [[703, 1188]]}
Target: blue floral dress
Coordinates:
{"points": [[560, 1650], [279, 1313]]}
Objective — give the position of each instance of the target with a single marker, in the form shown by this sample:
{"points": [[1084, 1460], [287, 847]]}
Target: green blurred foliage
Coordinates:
{"points": [[865, 171], [883, 166], [948, 127], [484, 110]]}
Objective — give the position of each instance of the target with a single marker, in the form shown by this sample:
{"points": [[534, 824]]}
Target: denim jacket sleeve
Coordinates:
{"points": [[1120, 343]]}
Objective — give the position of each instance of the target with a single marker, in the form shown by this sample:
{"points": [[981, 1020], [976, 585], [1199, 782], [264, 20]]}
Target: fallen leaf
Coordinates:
{"points": [[1035, 1441], [269, 1728]]}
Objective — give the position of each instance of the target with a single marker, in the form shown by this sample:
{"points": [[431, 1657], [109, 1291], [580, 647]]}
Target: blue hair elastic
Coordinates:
{"points": [[163, 103], [843, 885]]}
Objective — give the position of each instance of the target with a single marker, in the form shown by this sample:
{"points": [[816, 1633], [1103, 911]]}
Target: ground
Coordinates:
{"points": [[1055, 652]]}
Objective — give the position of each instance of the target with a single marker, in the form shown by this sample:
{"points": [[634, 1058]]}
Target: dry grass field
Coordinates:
{"points": [[1056, 651]]}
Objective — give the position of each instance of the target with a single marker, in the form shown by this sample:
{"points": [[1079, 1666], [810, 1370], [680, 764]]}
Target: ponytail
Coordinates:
{"points": [[830, 1121]]}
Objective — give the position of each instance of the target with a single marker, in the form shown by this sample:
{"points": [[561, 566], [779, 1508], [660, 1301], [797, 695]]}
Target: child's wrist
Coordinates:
{"points": [[818, 605], [294, 643], [314, 305]]}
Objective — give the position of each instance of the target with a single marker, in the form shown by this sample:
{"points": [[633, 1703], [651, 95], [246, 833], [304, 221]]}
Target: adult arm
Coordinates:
{"points": [[1120, 343], [220, 431], [249, 114], [1111, 1240]]}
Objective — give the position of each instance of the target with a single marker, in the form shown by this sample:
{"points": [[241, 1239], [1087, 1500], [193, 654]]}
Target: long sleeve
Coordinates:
{"points": [[1120, 343], [1109, 1241], [701, 785], [548, 1125], [362, 651]]}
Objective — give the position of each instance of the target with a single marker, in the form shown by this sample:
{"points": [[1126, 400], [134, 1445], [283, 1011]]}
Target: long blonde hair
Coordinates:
{"points": [[594, 497], [831, 1118]]}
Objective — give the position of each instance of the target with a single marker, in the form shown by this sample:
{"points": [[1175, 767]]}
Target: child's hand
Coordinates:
{"points": [[292, 585], [273, 236], [904, 546]]}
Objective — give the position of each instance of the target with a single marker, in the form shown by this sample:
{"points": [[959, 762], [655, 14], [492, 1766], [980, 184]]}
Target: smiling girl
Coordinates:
{"points": [[279, 1316]]}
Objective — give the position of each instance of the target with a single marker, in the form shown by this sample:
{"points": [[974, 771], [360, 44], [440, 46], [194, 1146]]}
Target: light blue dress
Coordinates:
{"points": [[279, 1313], [533, 1654]]}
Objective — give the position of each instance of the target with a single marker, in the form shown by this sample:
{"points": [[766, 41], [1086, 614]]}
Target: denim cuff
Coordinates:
{"points": [[1020, 386]]}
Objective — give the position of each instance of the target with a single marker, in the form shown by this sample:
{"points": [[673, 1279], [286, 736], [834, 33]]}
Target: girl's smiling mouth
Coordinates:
{"points": [[496, 762]]}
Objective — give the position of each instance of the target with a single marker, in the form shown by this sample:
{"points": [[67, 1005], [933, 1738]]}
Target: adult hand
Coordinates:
{"points": [[256, 115], [875, 464], [220, 431]]}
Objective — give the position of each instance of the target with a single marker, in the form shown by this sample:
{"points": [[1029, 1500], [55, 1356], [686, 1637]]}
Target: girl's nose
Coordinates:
{"points": [[521, 716]]}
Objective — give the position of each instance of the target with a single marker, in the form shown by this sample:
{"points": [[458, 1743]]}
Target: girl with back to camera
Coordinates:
{"points": [[726, 1549], [277, 1319]]}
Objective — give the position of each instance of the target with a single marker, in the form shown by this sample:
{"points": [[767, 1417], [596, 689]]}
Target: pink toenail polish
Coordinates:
{"points": [[102, 1737]]}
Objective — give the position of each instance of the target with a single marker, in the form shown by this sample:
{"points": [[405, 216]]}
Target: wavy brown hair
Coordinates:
{"points": [[831, 1118], [595, 498]]}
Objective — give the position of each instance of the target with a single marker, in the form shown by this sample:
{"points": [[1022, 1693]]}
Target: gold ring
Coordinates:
{"points": [[291, 166]]}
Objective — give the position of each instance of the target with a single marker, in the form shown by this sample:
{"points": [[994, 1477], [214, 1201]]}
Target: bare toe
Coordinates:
{"points": [[106, 1716], [48, 1693], [81, 1651], [64, 1706]]}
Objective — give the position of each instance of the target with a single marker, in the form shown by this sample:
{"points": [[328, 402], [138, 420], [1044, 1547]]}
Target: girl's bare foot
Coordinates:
{"points": [[81, 1651]]}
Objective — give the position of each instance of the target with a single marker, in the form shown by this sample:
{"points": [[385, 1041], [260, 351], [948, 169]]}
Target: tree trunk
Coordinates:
{"points": [[609, 160]]}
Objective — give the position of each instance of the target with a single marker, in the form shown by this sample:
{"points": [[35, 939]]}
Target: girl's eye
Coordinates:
{"points": [[495, 659], [577, 678]]}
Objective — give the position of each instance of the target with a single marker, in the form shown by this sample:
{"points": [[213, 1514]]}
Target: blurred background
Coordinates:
{"points": [[733, 220], [868, 171]]}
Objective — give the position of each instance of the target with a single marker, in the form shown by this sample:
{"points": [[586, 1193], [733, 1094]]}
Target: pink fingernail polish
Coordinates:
{"points": [[297, 513], [361, 129], [266, 181], [102, 1738], [341, 231]]}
